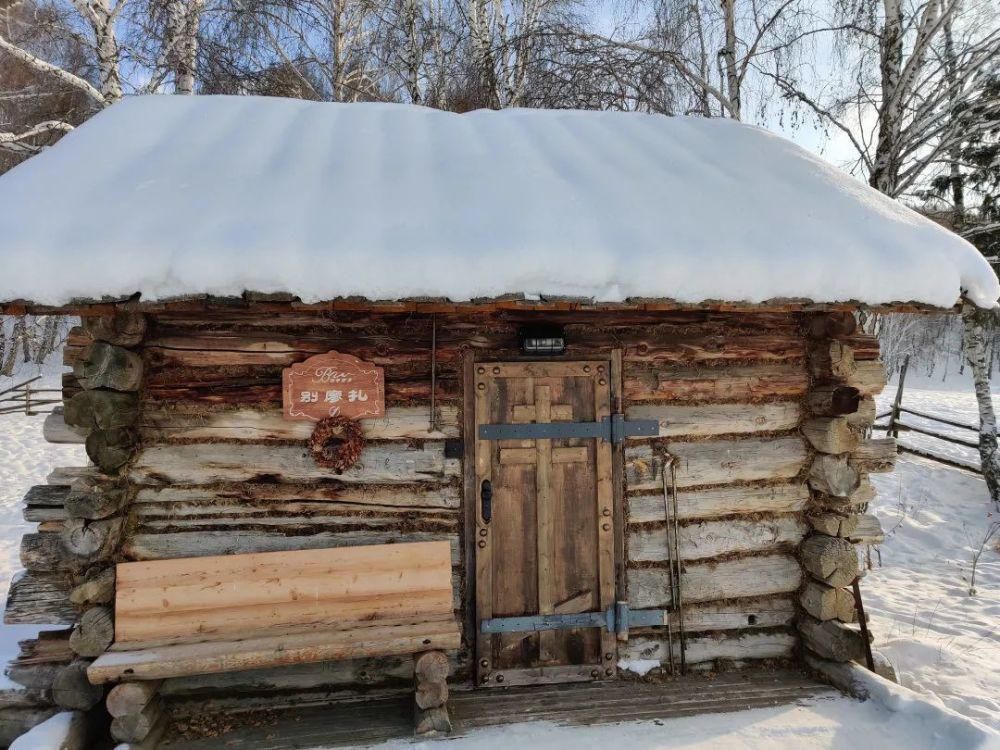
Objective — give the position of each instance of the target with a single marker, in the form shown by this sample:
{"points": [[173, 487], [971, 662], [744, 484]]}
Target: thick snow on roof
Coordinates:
{"points": [[170, 195]]}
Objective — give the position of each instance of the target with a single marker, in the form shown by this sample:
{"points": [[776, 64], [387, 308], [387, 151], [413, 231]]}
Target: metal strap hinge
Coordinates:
{"points": [[616, 619], [613, 429]]}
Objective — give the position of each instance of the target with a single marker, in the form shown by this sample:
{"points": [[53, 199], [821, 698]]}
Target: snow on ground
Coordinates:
{"points": [[25, 460], [325, 200], [818, 724], [944, 642]]}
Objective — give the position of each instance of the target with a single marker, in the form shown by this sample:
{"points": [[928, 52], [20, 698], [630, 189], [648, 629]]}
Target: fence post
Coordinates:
{"points": [[894, 417]]}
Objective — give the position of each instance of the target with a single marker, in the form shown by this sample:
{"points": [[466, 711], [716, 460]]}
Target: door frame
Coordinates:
{"points": [[470, 496]]}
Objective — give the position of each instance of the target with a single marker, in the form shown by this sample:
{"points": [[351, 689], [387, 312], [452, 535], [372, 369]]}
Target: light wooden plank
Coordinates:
{"points": [[216, 596]]}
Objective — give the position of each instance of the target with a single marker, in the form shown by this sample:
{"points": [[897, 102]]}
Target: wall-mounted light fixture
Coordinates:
{"points": [[542, 339]]}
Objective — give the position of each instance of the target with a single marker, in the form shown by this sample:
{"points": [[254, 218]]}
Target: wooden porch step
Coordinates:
{"points": [[375, 721]]}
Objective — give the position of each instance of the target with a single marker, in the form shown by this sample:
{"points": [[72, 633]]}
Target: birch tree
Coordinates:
{"points": [[907, 69], [975, 344], [743, 37]]}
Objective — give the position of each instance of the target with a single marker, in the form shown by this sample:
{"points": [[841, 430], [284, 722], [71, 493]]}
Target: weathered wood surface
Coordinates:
{"points": [[200, 543], [103, 365], [101, 410], [868, 530], [44, 553], [827, 603], [71, 689], [91, 540], [829, 559], [224, 597], [649, 587], [222, 462], [714, 538], [125, 328], [16, 721], [187, 422], [869, 377], [831, 639], [865, 493], [833, 400], [737, 614], [135, 727], [720, 501], [748, 646], [830, 434], [277, 650], [716, 462], [280, 685], [875, 456], [833, 476], [39, 599], [94, 633], [431, 722], [98, 587], [131, 697], [95, 500], [831, 325], [716, 384], [55, 430], [45, 503], [110, 450], [706, 420], [864, 417], [834, 524], [41, 659], [832, 360]]}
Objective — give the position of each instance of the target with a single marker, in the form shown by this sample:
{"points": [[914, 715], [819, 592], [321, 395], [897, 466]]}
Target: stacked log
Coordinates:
{"points": [[69, 562], [430, 672], [138, 713], [221, 471], [729, 426], [840, 398]]}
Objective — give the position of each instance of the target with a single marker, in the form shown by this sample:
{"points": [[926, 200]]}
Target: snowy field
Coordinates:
{"points": [[25, 460], [943, 641]]}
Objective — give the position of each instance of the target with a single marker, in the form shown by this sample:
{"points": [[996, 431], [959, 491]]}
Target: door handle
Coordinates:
{"points": [[486, 500]]}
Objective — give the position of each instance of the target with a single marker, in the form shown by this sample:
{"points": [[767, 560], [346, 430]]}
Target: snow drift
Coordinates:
{"points": [[170, 195]]}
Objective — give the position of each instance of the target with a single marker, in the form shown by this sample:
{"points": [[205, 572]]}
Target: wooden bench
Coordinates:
{"points": [[175, 618]]}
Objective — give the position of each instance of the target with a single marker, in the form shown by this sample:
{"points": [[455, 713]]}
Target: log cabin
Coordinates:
{"points": [[381, 401]]}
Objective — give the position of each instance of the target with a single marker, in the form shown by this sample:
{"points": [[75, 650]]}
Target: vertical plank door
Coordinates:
{"points": [[549, 547]]}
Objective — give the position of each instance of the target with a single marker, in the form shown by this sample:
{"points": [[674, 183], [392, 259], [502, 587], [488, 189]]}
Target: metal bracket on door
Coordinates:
{"points": [[613, 429], [616, 619]]}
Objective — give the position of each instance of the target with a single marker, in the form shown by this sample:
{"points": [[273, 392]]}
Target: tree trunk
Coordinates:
{"points": [[976, 354], [885, 169], [729, 55]]}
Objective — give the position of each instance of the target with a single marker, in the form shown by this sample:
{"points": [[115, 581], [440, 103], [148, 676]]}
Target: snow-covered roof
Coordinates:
{"points": [[171, 195]]}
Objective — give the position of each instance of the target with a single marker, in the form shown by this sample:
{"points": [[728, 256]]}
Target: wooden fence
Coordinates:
{"points": [[897, 423], [24, 399]]}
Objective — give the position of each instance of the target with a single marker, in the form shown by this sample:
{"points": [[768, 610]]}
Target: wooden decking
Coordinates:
{"points": [[362, 724]]}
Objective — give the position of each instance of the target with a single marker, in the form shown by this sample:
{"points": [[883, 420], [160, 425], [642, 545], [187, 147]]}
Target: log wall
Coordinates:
{"points": [[217, 470]]}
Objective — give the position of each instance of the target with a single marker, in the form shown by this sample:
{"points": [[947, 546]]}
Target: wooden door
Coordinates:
{"points": [[549, 547]]}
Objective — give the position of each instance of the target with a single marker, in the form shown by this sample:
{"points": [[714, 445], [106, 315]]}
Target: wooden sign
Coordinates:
{"points": [[330, 385]]}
